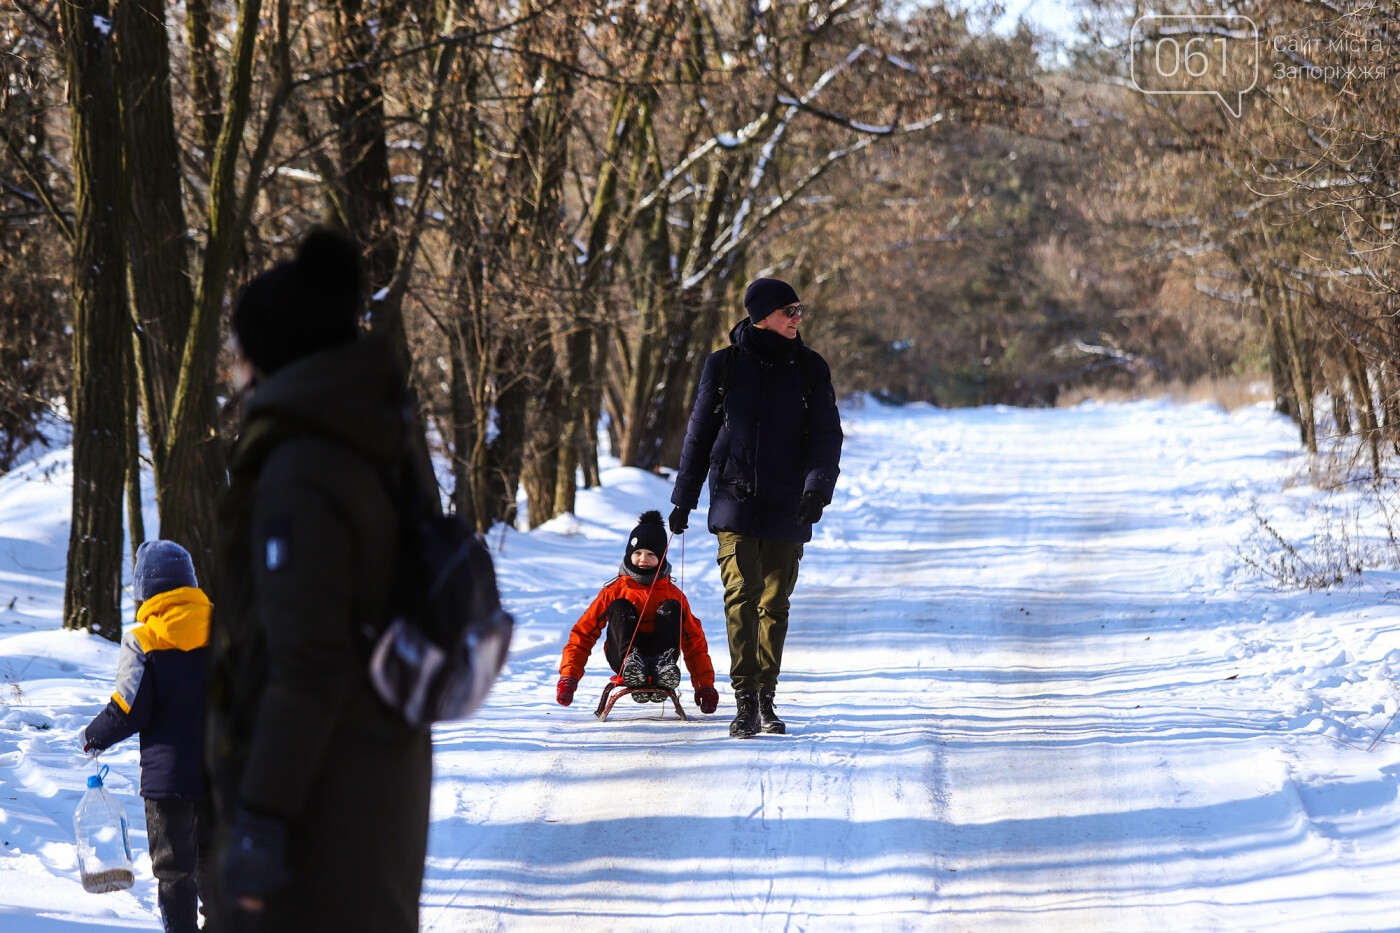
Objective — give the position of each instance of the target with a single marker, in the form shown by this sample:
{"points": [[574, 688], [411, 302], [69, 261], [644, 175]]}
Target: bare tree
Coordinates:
{"points": [[101, 334]]}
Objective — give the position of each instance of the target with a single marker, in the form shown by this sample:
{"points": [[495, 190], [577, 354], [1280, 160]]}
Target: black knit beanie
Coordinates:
{"points": [[764, 296], [649, 534], [303, 305]]}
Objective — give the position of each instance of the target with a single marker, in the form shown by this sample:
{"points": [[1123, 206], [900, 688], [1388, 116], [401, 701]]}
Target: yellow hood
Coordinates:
{"points": [[177, 618]]}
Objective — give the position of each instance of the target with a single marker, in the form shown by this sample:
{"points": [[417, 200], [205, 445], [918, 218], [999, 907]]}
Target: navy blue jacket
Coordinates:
{"points": [[160, 694], [777, 435]]}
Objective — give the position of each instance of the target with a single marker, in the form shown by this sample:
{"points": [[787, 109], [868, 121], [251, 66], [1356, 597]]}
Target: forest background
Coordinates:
{"points": [[560, 204]]}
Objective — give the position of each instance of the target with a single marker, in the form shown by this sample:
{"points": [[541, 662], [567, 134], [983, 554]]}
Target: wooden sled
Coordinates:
{"points": [[611, 694]]}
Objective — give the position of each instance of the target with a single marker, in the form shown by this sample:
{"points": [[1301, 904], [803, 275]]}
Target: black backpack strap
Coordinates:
{"points": [[811, 373], [805, 364], [726, 378], [805, 370]]}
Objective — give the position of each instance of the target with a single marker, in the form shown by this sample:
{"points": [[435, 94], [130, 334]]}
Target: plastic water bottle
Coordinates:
{"points": [[104, 852]]}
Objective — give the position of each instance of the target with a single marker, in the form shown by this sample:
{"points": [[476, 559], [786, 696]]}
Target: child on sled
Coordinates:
{"points": [[648, 623]]}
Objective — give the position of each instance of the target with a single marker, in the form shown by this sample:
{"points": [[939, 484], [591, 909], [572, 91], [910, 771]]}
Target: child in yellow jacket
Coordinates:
{"points": [[160, 694]]}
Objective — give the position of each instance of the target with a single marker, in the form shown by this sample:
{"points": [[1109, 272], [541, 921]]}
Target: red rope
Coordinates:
{"points": [[645, 602], [680, 622]]}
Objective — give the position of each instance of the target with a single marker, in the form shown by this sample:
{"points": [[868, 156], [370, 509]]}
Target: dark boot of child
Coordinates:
{"points": [[668, 673], [768, 720], [634, 674], [745, 724]]}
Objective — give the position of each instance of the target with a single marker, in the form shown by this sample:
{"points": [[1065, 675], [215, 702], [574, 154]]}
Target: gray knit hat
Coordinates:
{"points": [[161, 566]]}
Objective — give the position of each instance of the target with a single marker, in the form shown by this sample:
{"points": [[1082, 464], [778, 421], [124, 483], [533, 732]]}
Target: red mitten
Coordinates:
{"points": [[707, 698], [564, 693]]}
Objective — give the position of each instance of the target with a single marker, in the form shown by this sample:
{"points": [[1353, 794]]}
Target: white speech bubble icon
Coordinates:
{"points": [[1195, 44]]}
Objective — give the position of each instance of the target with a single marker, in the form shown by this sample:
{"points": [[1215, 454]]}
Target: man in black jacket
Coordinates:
{"points": [[766, 427]]}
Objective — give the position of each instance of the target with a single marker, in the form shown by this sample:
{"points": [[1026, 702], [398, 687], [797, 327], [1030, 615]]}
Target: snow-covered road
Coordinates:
{"points": [[1028, 687], [1012, 703]]}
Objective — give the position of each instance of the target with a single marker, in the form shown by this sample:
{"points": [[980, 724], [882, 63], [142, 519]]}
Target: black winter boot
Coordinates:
{"points": [[745, 724], [768, 720], [668, 674], [634, 670]]}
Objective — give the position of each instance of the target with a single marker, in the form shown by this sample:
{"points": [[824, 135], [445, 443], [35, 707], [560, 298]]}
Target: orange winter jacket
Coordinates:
{"points": [[590, 625]]}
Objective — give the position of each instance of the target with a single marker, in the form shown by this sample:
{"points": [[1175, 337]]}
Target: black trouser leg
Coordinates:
{"points": [[666, 628], [622, 627], [204, 864], [172, 831]]}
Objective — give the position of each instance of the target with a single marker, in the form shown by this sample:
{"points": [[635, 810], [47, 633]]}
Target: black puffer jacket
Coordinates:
{"points": [[776, 436], [309, 539]]}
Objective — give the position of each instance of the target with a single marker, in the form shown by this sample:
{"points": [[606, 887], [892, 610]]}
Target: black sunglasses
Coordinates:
{"points": [[796, 310]]}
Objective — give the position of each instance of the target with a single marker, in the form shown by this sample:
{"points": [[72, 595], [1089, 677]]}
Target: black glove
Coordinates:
{"points": [[256, 863], [809, 510], [680, 520]]}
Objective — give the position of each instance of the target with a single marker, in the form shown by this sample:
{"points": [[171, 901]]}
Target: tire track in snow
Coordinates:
{"points": [[1094, 762]]}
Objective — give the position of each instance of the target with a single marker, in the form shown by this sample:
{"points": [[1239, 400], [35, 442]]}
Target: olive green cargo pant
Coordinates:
{"points": [[758, 578]]}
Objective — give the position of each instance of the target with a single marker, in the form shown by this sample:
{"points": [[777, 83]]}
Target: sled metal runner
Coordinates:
{"points": [[609, 698]]}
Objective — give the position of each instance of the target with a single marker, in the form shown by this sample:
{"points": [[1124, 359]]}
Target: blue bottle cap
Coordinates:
{"points": [[94, 781]]}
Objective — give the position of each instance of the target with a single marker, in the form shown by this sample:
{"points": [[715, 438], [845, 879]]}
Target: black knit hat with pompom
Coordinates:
{"points": [[302, 306], [649, 534]]}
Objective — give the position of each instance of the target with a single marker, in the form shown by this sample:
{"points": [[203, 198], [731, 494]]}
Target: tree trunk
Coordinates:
{"points": [[1390, 406], [652, 291], [193, 459], [162, 299], [469, 372], [101, 334], [544, 151], [1301, 370], [366, 190], [540, 474], [506, 455], [135, 520], [463, 429], [666, 397], [706, 329], [689, 321], [1370, 423], [578, 443], [463, 433], [204, 80], [1280, 376], [588, 443]]}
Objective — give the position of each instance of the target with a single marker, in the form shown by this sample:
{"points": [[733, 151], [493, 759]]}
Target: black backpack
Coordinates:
{"points": [[448, 637]]}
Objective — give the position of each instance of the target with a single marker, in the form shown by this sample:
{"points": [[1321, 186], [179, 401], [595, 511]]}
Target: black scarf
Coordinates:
{"points": [[770, 346]]}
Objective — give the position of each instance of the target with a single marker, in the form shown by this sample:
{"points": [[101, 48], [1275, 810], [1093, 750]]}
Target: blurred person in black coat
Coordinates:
{"points": [[321, 789]]}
